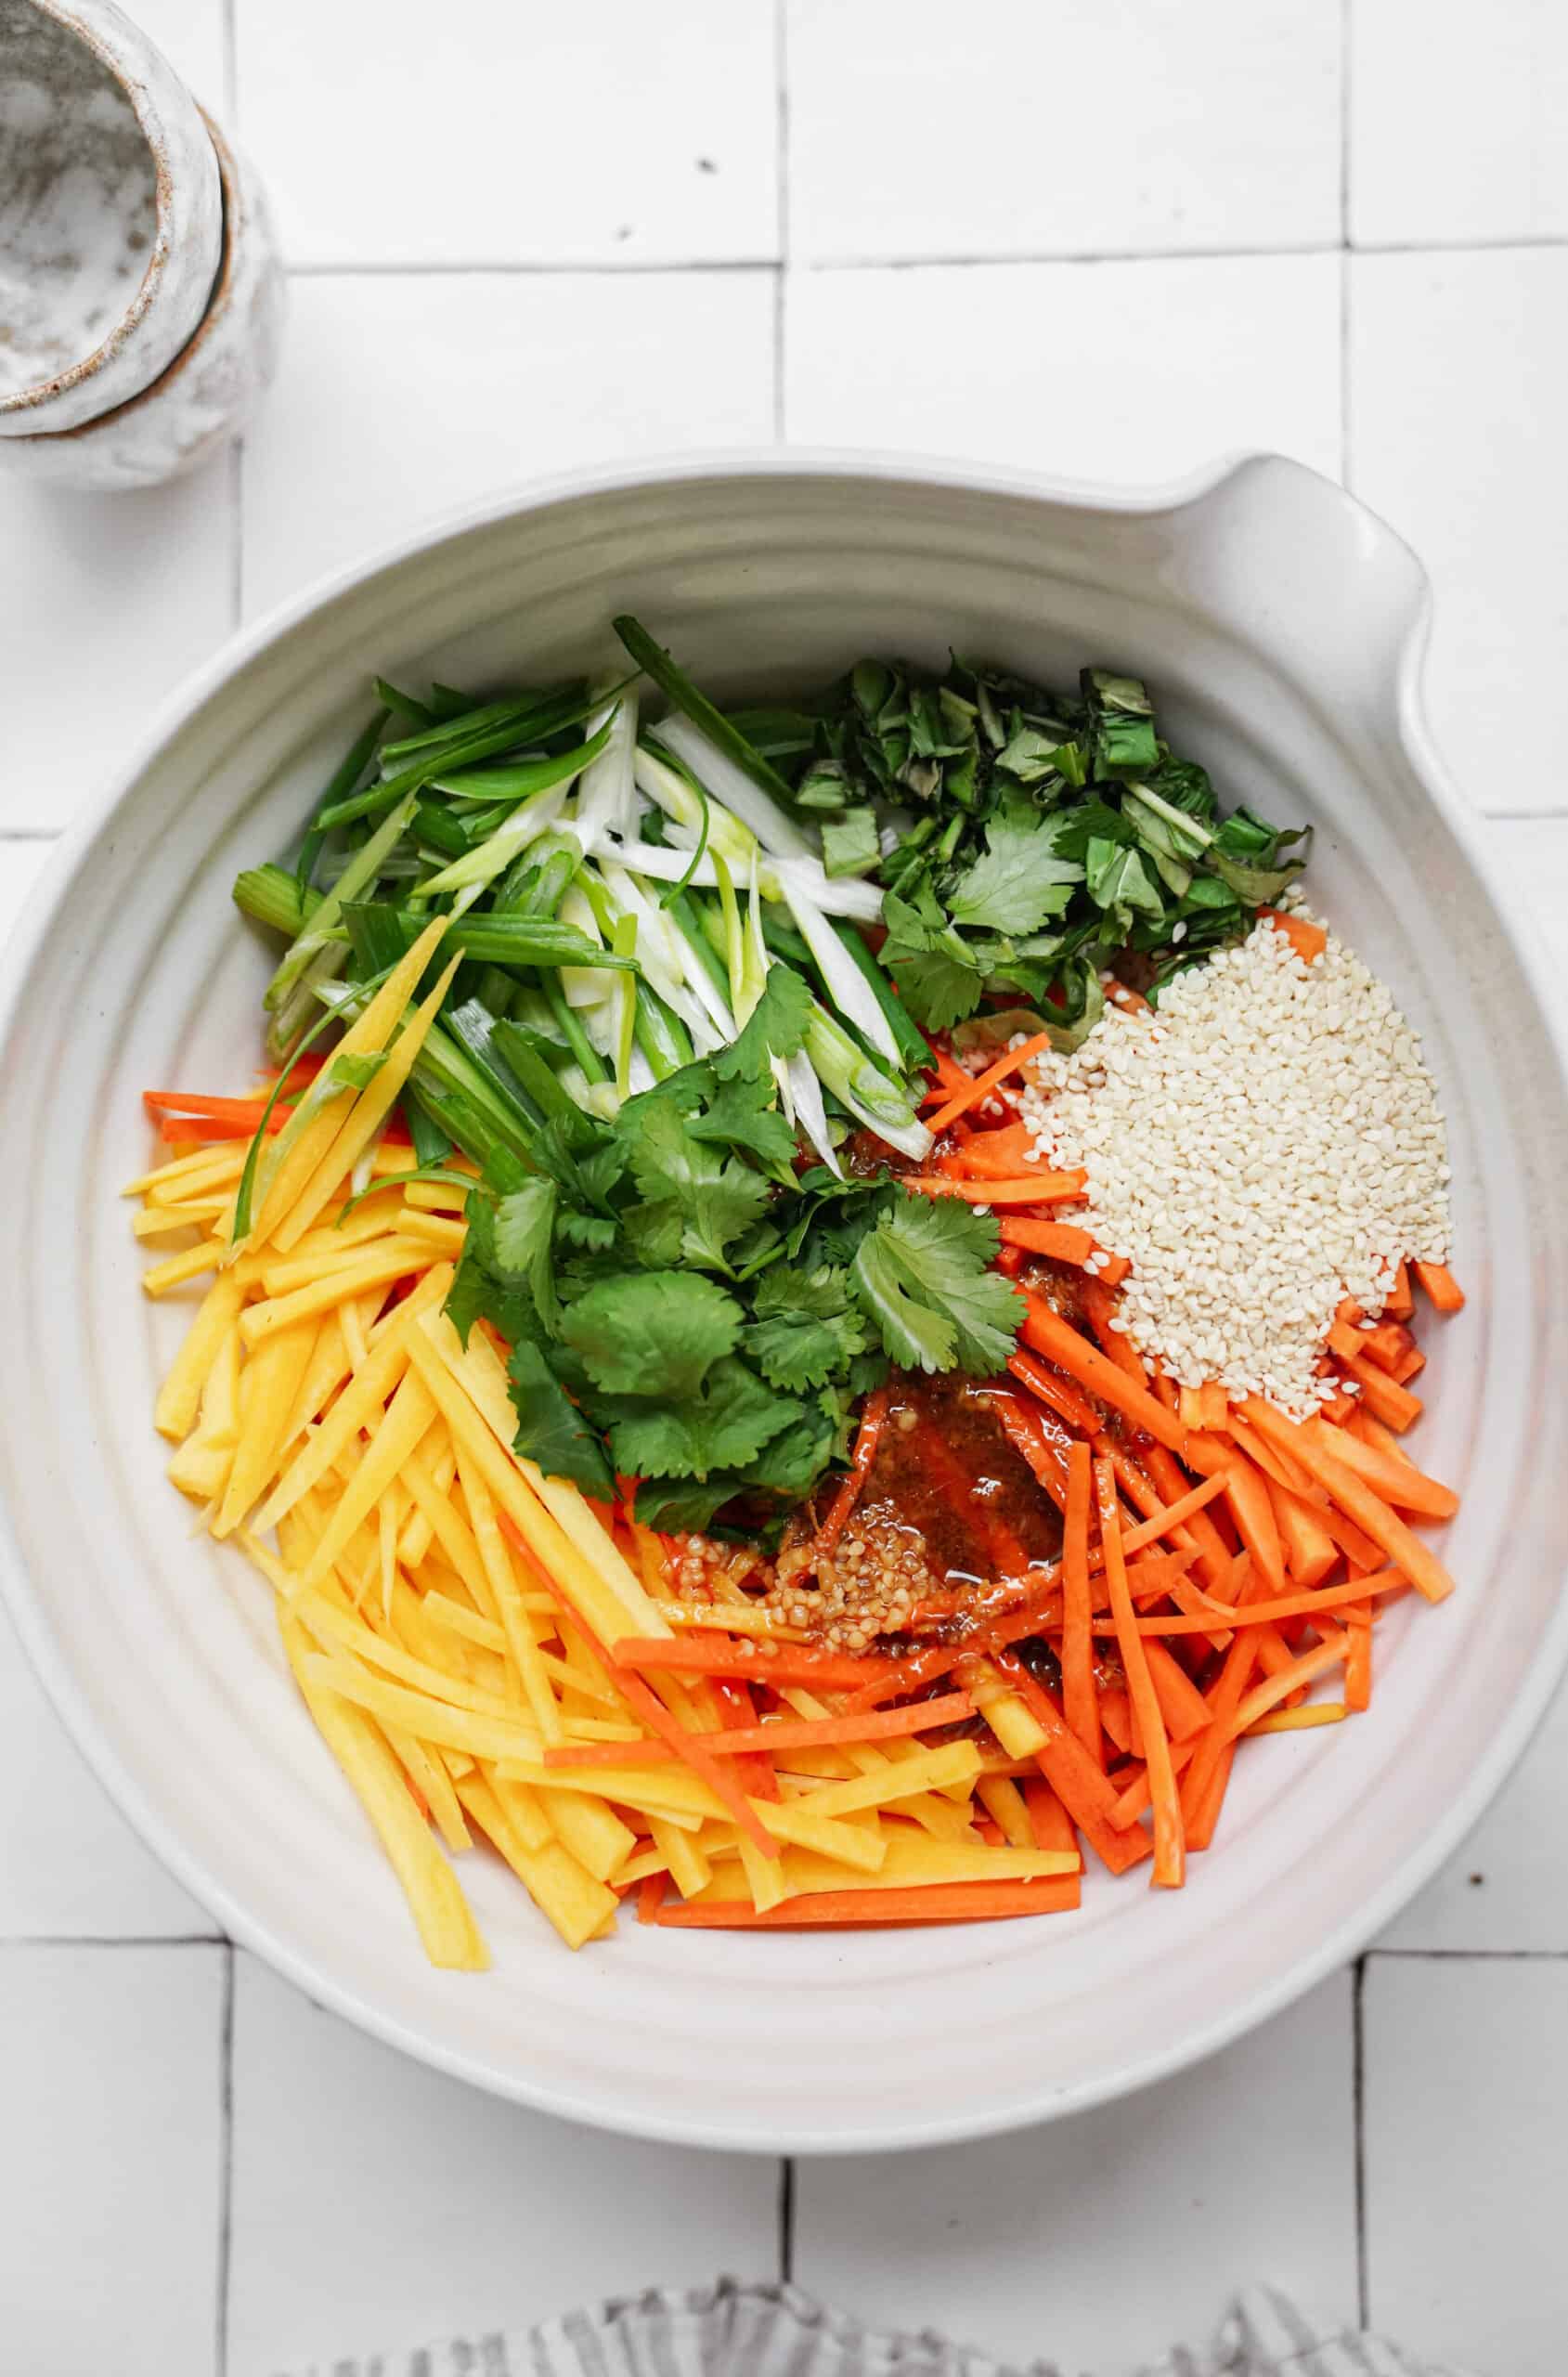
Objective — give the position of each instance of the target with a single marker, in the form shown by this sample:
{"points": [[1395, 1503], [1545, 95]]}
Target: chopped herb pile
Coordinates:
{"points": [[1039, 836]]}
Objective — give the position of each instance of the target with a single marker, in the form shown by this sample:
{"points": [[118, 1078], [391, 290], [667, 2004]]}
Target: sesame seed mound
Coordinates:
{"points": [[1266, 1144]]}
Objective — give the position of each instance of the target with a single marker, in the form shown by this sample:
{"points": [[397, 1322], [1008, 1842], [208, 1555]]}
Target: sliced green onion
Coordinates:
{"points": [[348, 773]]}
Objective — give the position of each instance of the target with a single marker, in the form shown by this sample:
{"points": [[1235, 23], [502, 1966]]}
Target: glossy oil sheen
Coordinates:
{"points": [[1282, 628]]}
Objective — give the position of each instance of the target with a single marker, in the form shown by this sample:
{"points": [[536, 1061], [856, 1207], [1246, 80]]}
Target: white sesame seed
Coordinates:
{"points": [[1267, 1144]]}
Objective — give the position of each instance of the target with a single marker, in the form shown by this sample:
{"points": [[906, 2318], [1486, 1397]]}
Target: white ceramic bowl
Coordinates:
{"points": [[1282, 628]]}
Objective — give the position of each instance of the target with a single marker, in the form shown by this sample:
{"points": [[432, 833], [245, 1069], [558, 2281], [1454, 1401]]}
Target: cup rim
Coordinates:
{"points": [[232, 198], [140, 95]]}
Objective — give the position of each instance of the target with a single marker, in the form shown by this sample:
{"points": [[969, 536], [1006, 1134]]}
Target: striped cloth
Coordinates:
{"points": [[736, 2330]]}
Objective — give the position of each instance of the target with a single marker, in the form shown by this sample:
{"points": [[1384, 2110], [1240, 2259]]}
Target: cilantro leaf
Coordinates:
{"points": [[684, 1182], [746, 1114], [592, 1232], [787, 1467], [478, 1292], [521, 1234], [1019, 882], [552, 1430], [805, 1328], [937, 992], [775, 1028], [923, 1278], [721, 1424], [657, 1332], [1120, 882]]}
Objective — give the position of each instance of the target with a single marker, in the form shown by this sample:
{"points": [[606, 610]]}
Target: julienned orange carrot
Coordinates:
{"points": [[1392, 1479], [1330, 1653], [1182, 1704], [1310, 1550], [754, 1771], [650, 1897], [1005, 1154], [1383, 1397], [1157, 1488], [1364, 1508], [1135, 1785], [1099, 1310], [1358, 1658], [1442, 1289], [646, 1704], [1387, 1342], [873, 1417], [1045, 1188], [1247, 1492], [983, 1083], [1049, 1820], [1080, 1703], [1384, 1584], [1308, 941], [1062, 1399], [922, 1902], [1166, 1518], [1169, 1855], [774, 1734], [1060, 1343], [1200, 1818], [1400, 1304], [1063, 1241], [1027, 1436], [776, 1663], [950, 1076]]}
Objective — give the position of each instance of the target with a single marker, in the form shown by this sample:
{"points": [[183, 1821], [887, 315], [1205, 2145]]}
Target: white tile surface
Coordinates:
{"points": [[1090, 127], [1458, 365], [401, 397], [190, 34], [118, 599], [70, 1864], [110, 2172], [453, 2211], [1456, 123], [1126, 371], [490, 133], [21, 864], [1466, 2111], [1507, 1888], [1097, 2241]]}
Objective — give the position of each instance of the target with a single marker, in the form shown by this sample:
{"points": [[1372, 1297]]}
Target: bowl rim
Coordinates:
{"points": [[1347, 1940]]}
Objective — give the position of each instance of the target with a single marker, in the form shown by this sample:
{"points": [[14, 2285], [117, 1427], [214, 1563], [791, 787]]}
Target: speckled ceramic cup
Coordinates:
{"points": [[110, 214]]}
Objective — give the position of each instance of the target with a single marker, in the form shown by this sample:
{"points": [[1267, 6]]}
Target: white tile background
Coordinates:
{"points": [[1110, 236]]}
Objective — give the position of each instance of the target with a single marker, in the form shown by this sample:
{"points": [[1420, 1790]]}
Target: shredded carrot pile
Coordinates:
{"points": [[491, 1657]]}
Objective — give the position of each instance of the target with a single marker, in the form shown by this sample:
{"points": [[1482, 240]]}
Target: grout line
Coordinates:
{"points": [[1345, 369], [434, 267], [786, 2221], [1344, 122], [781, 75], [230, 68], [226, 2166], [1358, 2099], [235, 467], [416, 267], [1344, 241], [114, 1940], [1469, 1956]]}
